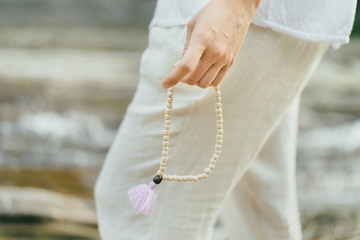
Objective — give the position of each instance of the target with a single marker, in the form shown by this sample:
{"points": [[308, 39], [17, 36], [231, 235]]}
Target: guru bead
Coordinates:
{"points": [[157, 179]]}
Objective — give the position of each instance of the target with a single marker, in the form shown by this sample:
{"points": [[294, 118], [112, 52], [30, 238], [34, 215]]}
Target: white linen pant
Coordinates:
{"points": [[253, 187]]}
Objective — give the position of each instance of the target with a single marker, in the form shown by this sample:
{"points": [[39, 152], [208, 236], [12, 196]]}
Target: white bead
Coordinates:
{"points": [[218, 145], [160, 173], [213, 161]]}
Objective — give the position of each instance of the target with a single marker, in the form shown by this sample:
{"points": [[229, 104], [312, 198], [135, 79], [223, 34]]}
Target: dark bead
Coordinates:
{"points": [[157, 179]]}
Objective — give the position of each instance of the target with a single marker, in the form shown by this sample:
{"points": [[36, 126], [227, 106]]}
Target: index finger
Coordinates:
{"points": [[186, 65]]}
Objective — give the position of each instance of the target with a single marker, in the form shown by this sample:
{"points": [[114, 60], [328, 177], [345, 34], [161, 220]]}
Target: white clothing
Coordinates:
{"points": [[313, 20], [253, 184]]}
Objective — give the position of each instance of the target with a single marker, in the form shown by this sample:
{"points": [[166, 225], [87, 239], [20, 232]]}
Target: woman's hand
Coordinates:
{"points": [[214, 37]]}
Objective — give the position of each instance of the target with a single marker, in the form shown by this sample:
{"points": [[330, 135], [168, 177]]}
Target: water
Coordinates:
{"points": [[65, 84], [55, 136]]}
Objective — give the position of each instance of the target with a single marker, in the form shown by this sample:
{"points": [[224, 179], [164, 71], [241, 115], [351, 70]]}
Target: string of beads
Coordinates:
{"points": [[166, 137]]}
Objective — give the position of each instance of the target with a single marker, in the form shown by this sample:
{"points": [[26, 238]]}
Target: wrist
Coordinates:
{"points": [[247, 7]]}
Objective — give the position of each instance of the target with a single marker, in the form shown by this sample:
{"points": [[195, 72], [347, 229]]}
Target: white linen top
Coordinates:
{"points": [[313, 20]]}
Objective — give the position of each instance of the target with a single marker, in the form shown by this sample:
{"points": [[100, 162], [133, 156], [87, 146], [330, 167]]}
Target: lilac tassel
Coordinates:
{"points": [[143, 197]]}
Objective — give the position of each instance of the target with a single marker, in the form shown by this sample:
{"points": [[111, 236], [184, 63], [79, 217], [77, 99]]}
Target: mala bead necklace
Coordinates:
{"points": [[143, 196]]}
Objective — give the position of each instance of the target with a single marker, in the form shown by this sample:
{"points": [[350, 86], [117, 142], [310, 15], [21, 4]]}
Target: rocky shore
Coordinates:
{"points": [[65, 84]]}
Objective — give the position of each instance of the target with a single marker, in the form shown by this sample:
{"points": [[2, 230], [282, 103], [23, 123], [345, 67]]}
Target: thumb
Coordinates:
{"points": [[186, 45], [178, 73], [189, 30]]}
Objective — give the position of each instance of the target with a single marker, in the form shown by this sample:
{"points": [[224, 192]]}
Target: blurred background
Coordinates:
{"points": [[68, 70]]}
